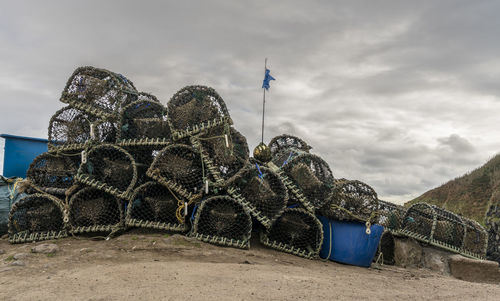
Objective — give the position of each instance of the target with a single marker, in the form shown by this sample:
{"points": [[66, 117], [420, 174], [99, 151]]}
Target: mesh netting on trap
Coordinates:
{"points": [[109, 168], [224, 152], [93, 210], [352, 200], [311, 177], [296, 232], [223, 221], [443, 229], [179, 167], [52, 173], [71, 128], [154, 206], [98, 91], [36, 217], [390, 215], [143, 122], [194, 109], [261, 192], [285, 142], [144, 156]]}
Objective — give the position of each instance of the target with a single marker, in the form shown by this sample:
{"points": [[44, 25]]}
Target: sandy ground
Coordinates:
{"points": [[138, 266]]}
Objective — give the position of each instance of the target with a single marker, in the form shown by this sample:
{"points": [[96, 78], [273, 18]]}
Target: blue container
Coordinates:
{"points": [[19, 153], [347, 242]]}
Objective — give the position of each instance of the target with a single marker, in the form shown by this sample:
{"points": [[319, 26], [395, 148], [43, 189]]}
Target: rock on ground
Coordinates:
{"points": [[474, 270], [407, 252], [45, 248]]}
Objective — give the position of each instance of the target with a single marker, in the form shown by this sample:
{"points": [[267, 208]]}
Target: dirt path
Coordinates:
{"points": [[161, 267]]}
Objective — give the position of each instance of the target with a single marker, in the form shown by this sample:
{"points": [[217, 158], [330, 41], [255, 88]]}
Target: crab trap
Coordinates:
{"points": [[144, 122], [390, 215], [70, 129], [444, 229], [154, 206], [108, 168], [194, 109], [308, 178], [352, 200], [224, 152], [98, 91], [180, 168], [94, 210], [286, 143], [52, 173], [261, 192], [37, 217], [297, 232], [223, 221]]}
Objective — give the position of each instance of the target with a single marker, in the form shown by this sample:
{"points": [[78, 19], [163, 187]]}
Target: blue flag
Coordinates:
{"points": [[267, 79]]}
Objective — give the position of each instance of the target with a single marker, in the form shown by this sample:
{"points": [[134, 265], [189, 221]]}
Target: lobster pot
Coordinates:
{"points": [[296, 232], [312, 176], [179, 167], [440, 228], [351, 196], [224, 151], [98, 91], [282, 145], [390, 215], [93, 210], [154, 206], [194, 109], [386, 248], [36, 217], [223, 221], [71, 128], [261, 191], [144, 121], [52, 173], [109, 168]]}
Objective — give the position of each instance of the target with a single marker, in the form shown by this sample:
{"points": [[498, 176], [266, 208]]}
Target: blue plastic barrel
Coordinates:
{"points": [[19, 153], [347, 242]]}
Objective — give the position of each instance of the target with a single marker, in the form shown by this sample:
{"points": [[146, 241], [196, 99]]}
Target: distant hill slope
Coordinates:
{"points": [[470, 195]]}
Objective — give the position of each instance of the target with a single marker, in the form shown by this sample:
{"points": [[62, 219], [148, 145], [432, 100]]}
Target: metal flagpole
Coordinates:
{"points": [[264, 102]]}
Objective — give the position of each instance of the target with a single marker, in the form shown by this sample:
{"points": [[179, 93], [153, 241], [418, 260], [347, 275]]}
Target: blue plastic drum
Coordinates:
{"points": [[347, 242]]}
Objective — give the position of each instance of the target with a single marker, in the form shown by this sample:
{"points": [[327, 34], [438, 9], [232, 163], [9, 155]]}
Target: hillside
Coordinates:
{"points": [[470, 195]]}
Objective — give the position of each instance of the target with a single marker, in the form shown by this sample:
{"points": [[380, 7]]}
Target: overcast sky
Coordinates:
{"points": [[403, 95]]}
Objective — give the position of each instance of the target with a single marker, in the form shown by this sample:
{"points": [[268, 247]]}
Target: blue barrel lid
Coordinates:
{"points": [[8, 136]]}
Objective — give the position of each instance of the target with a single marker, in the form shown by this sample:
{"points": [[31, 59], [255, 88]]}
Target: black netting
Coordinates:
{"points": [[492, 222], [352, 200], [179, 167], [261, 191], [109, 168], [98, 91], [144, 156], [36, 217], [312, 176], [52, 172], [195, 108], [93, 210], [221, 220], [476, 237], [286, 143], [144, 120], [390, 215], [154, 206], [297, 232], [224, 151], [386, 248]]}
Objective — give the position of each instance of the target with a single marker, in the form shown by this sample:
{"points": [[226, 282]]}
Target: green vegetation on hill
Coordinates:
{"points": [[470, 195]]}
